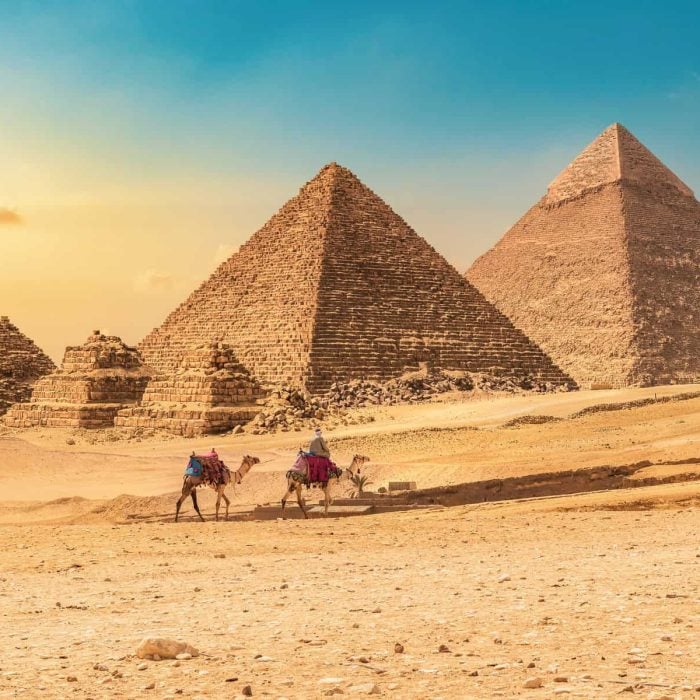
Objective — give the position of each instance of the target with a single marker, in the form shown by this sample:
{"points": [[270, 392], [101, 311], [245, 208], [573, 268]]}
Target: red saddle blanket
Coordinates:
{"points": [[214, 471], [319, 468]]}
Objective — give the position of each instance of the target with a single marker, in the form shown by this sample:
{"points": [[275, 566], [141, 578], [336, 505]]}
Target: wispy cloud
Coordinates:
{"points": [[154, 282], [8, 216]]}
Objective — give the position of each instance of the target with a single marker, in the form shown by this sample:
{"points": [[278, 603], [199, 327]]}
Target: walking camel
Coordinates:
{"points": [[298, 477], [190, 484]]}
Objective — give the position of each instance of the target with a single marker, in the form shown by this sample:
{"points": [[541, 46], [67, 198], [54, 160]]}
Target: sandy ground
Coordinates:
{"points": [[603, 593], [593, 595]]}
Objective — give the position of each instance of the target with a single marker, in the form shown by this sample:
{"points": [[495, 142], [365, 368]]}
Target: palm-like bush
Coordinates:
{"points": [[360, 482]]}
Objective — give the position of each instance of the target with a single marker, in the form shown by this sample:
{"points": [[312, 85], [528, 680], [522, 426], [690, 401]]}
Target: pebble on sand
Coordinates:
{"points": [[533, 683], [160, 648]]}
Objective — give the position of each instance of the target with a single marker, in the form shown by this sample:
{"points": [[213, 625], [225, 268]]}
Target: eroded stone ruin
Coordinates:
{"points": [[21, 364], [337, 286], [95, 381], [210, 392], [604, 271]]}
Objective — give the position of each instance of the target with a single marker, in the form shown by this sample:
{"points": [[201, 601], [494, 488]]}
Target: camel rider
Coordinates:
{"points": [[318, 446]]}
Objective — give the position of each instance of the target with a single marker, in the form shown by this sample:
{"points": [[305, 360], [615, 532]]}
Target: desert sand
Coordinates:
{"points": [[591, 594]]}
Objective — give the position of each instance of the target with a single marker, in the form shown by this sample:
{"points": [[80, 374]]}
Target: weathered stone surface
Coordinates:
{"points": [[21, 364], [158, 647], [210, 392], [604, 271], [94, 382], [337, 286]]}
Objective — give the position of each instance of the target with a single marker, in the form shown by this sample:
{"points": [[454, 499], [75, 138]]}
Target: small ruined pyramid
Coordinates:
{"points": [[210, 392], [604, 271], [337, 286], [95, 381], [21, 364]]}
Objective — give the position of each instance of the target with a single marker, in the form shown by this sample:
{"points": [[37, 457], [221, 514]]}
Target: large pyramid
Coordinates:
{"points": [[604, 271], [21, 364], [338, 286]]}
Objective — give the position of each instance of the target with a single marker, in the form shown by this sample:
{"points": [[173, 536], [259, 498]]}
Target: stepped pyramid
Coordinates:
{"points": [[604, 271], [209, 393], [21, 364], [95, 381], [338, 286]]}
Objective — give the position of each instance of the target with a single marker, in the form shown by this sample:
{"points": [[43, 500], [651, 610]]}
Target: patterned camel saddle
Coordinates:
{"points": [[311, 470], [209, 468]]}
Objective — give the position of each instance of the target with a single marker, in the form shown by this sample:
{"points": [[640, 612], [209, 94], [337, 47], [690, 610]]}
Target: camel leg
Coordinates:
{"points": [[180, 501], [326, 500], [194, 502], [300, 501], [226, 501], [290, 489], [218, 503]]}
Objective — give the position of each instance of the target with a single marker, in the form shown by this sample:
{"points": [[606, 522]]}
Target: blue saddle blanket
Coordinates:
{"points": [[194, 468]]}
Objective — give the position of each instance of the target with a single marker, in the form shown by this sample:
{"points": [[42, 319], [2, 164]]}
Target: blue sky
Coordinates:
{"points": [[175, 129]]}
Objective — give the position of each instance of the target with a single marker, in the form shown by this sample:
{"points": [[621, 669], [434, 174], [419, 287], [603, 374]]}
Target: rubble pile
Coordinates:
{"points": [[287, 408], [290, 409], [413, 388]]}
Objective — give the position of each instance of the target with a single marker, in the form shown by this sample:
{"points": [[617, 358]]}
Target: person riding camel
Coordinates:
{"points": [[318, 446]]}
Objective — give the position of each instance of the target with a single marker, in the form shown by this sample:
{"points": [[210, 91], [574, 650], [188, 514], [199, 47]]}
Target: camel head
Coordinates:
{"points": [[247, 464], [358, 461]]}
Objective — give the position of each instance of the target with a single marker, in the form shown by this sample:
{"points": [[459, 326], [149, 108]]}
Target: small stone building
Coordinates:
{"points": [[210, 392], [95, 381], [21, 364]]}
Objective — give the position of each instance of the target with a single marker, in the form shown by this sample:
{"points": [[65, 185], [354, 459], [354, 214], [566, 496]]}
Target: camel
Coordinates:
{"points": [[190, 484], [297, 478]]}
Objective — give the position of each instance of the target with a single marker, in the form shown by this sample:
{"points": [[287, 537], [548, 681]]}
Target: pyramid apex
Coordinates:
{"points": [[332, 169], [330, 176], [615, 155]]}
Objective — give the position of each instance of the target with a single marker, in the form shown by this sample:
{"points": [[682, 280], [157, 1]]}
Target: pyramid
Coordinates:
{"points": [[337, 286], [95, 381], [210, 392], [21, 364], [604, 271]]}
